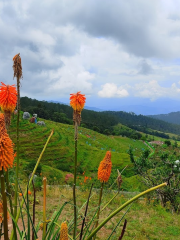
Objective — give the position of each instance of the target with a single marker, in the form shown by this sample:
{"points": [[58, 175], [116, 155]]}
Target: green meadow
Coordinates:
{"points": [[58, 159]]}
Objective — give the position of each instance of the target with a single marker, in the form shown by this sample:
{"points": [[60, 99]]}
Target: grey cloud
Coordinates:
{"points": [[175, 17], [127, 22], [144, 67]]}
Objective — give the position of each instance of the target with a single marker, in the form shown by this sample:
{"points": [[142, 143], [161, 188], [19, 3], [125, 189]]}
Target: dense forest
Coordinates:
{"points": [[103, 122], [173, 117]]}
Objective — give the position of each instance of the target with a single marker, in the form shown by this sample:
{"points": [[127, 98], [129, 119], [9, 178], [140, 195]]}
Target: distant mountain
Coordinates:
{"points": [[86, 107], [173, 117], [93, 109], [99, 121], [57, 102]]}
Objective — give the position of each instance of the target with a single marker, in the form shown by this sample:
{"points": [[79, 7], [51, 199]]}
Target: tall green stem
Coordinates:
{"points": [[44, 207], [17, 146], [31, 179], [100, 198], [122, 207], [10, 202], [74, 186], [34, 212], [3, 192], [110, 201]]}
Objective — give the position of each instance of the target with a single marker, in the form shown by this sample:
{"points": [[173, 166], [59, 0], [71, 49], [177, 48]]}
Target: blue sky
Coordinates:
{"points": [[124, 55]]}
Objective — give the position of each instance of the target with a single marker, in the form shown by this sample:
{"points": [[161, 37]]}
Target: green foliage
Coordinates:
{"points": [[157, 169], [30, 167], [38, 183], [167, 142]]}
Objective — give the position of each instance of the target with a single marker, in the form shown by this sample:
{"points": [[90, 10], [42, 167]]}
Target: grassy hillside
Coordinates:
{"points": [[59, 155]]}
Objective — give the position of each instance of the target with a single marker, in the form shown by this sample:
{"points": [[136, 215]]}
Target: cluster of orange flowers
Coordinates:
{"points": [[6, 146], [29, 193], [64, 231], [8, 97], [104, 170], [77, 101], [86, 178]]}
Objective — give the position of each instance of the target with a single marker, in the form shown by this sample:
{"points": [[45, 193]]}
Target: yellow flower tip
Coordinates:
{"points": [[77, 101], [8, 97], [104, 170], [6, 147], [64, 231]]}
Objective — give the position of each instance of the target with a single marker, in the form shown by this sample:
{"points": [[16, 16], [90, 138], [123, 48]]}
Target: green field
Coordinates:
{"points": [[58, 158]]}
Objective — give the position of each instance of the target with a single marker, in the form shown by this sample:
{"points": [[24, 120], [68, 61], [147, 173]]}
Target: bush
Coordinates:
{"points": [[30, 167]]}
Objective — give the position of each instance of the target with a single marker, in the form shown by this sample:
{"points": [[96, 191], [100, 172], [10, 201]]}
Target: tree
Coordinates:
{"points": [[175, 144], [167, 142], [155, 171], [106, 132]]}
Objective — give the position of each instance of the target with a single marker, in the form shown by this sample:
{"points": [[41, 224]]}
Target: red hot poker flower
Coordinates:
{"points": [[104, 170], [77, 101], [6, 147], [64, 231], [8, 97]]}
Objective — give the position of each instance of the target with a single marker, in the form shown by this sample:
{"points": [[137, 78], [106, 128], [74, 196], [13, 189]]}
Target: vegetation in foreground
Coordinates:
{"points": [[81, 226], [146, 219]]}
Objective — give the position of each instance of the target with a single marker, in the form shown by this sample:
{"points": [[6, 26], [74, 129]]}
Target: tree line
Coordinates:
{"points": [[102, 122]]}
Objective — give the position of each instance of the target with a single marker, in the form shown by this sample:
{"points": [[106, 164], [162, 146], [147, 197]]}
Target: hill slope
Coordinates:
{"points": [[173, 117], [59, 154]]}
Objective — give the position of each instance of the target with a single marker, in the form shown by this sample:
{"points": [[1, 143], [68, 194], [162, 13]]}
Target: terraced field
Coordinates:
{"points": [[59, 155]]}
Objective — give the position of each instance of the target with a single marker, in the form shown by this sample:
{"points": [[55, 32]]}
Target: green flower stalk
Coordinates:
{"points": [[3, 192], [122, 207], [31, 179], [44, 206], [17, 67], [77, 102]]}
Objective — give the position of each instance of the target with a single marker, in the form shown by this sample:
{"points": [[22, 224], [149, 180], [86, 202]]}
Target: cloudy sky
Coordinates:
{"points": [[124, 55]]}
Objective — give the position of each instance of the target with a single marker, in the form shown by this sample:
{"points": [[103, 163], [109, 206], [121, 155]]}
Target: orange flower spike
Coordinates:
{"points": [[6, 146], [77, 101], [8, 97], [20, 194], [104, 170], [64, 231], [29, 192], [14, 58]]}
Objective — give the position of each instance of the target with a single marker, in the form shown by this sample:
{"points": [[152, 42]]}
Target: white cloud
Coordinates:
{"points": [[110, 90], [153, 90], [94, 46]]}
